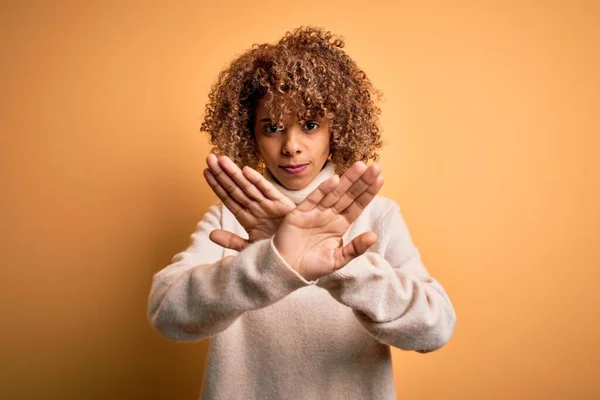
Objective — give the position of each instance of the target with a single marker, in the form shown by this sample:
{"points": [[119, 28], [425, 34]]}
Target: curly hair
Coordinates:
{"points": [[305, 72]]}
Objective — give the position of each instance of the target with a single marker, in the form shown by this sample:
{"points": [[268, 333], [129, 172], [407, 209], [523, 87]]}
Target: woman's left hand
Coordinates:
{"points": [[257, 205], [310, 238]]}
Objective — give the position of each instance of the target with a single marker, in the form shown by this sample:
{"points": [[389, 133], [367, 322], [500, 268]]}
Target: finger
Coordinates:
{"points": [[228, 240], [350, 176], [226, 182], [317, 195], [262, 184], [358, 246], [357, 188], [235, 173], [236, 209], [357, 206]]}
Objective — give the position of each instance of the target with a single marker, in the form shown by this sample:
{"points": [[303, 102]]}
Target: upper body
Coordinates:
{"points": [[277, 335], [302, 278]]}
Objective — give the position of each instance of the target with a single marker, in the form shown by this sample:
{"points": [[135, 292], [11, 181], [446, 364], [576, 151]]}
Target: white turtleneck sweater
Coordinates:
{"points": [[275, 335]]}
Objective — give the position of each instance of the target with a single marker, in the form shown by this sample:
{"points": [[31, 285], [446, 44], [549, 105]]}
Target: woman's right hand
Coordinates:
{"points": [[257, 205]]}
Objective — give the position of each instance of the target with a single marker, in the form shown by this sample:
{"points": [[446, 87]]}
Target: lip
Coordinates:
{"points": [[294, 169]]}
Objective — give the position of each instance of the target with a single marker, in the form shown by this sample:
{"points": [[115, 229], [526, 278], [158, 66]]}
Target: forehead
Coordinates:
{"points": [[283, 107]]}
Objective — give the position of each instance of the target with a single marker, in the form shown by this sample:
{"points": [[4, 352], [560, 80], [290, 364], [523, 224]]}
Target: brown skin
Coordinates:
{"points": [[301, 100], [308, 237], [307, 71], [257, 205], [292, 142]]}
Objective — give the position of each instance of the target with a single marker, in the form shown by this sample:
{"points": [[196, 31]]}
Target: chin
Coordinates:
{"points": [[293, 184]]}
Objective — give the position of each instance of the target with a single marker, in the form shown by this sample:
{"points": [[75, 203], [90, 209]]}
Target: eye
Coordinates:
{"points": [[270, 128], [311, 126]]}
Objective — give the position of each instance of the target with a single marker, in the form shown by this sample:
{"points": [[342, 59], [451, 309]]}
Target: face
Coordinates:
{"points": [[294, 152]]}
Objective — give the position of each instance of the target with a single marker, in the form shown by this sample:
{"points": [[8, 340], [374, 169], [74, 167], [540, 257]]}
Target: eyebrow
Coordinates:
{"points": [[265, 120]]}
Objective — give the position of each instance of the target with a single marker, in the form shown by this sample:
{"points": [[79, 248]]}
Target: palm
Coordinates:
{"points": [[310, 236], [319, 236], [257, 205], [262, 220]]}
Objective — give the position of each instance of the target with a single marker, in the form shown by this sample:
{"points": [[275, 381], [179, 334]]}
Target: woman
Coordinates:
{"points": [[301, 278]]}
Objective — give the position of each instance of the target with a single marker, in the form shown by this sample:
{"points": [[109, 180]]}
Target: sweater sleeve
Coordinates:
{"points": [[392, 294], [202, 293]]}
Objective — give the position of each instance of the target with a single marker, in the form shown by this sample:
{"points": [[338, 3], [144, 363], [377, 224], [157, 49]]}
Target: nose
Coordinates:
{"points": [[291, 142]]}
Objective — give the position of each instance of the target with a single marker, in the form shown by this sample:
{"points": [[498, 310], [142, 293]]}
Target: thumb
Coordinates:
{"points": [[228, 240], [358, 246]]}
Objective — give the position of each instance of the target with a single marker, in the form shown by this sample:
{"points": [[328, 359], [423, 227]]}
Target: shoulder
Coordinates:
{"points": [[216, 209], [380, 216], [374, 215], [212, 217], [380, 207], [218, 216]]}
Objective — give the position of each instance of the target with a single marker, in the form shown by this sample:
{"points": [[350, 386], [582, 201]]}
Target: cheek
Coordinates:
{"points": [[266, 148], [260, 143], [326, 143]]}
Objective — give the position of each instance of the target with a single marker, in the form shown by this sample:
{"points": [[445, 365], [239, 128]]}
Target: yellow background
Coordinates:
{"points": [[490, 115]]}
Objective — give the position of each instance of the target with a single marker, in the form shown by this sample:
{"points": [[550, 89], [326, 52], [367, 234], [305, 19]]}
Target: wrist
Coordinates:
{"points": [[285, 264], [286, 253]]}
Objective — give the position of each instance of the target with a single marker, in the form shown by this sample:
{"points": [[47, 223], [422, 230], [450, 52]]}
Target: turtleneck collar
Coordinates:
{"points": [[299, 195]]}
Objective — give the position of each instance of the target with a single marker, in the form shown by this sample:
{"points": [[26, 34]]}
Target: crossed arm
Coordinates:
{"points": [[307, 236], [388, 289]]}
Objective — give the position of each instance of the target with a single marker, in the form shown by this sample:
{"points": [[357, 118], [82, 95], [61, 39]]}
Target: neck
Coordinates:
{"points": [[299, 195]]}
